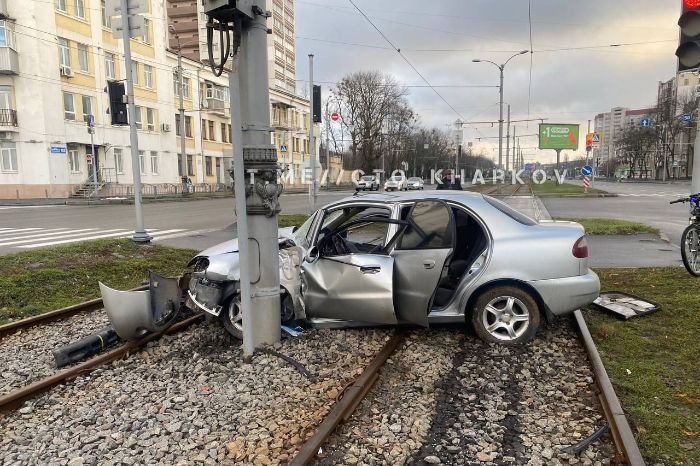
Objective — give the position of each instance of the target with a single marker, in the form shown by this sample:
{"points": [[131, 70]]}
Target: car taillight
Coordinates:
{"points": [[580, 248]]}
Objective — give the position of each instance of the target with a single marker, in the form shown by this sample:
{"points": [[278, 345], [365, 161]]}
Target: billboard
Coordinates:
{"points": [[558, 136]]}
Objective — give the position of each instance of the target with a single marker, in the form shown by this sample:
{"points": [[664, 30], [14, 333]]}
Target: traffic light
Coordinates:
{"points": [[317, 104], [688, 51], [117, 103]]}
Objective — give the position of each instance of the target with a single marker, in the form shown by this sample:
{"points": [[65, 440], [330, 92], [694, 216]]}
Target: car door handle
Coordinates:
{"points": [[370, 269], [429, 264]]}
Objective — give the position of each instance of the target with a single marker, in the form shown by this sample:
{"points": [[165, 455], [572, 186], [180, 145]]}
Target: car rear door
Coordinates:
{"points": [[353, 281], [422, 251]]}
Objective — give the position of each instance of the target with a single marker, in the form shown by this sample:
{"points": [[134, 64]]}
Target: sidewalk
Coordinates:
{"points": [[643, 250]]}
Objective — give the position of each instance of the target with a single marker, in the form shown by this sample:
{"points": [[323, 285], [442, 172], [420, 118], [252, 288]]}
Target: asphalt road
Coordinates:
{"points": [[178, 223]]}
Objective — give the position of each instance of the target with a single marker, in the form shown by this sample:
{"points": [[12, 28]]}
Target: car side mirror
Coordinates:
{"points": [[312, 255], [294, 229]]}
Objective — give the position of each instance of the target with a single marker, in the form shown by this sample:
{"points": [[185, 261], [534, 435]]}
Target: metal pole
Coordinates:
{"points": [[140, 235], [500, 122], [328, 147], [263, 202], [664, 154], [508, 142], [94, 159], [239, 182], [183, 148], [695, 182], [312, 155], [515, 163], [459, 152]]}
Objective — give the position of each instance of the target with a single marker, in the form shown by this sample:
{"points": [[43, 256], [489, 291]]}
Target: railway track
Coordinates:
{"points": [[343, 439], [415, 373]]}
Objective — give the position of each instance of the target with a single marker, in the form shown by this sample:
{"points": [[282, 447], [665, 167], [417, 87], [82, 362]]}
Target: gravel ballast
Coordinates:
{"points": [[446, 398], [26, 355], [189, 399]]}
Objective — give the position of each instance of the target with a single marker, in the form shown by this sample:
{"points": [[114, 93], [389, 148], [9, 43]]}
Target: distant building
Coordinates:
{"points": [[55, 60], [611, 124]]}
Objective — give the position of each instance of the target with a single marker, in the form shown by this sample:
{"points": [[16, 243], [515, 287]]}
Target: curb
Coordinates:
{"points": [[592, 195]]}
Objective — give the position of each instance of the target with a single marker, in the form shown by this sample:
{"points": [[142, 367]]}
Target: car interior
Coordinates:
{"points": [[363, 230]]}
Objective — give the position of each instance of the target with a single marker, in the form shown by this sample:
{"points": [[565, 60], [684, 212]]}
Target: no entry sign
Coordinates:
{"points": [[335, 116]]}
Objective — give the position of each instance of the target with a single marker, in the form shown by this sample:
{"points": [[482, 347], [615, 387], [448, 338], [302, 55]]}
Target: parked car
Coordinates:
{"points": [[410, 258], [368, 182], [415, 183], [395, 183]]}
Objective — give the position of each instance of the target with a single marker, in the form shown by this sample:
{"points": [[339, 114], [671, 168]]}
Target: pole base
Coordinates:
{"points": [[141, 237]]}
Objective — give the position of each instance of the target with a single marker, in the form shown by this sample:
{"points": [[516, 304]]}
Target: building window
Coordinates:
{"points": [[74, 160], [146, 31], [106, 21], [118, 161], [190, 165], [83, 58], [7, 35], [61, 5], [212, 134], [187, 83], [224, 133], [204, 129], [68, 106], [8, 157], [177, 126], [148, 76], [109, 65], [135, 73], [186, 87], [142, 161], [87, 107], [150, 119], [207, 165], [80, 9], [137, 117], [154, 162], [64, 51], [188, 126], [179, 164]]}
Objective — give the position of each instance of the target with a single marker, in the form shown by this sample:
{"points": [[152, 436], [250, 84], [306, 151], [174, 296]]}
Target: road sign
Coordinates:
{"points": [[586, 182], [114, 7], [58, 150], [675, 163], [644, 122], [586, 170], [88, 157], [335, 116], [283, 148], [137, 26], [687, 118], [90, 121], [595, 139], [558, 136]]}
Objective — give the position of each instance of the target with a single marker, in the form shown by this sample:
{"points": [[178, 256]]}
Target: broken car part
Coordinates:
{"points": [[624, 305], [85, 347]]}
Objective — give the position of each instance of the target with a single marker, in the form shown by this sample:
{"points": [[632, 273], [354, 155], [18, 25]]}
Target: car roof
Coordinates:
{"points": [[447, 195]]}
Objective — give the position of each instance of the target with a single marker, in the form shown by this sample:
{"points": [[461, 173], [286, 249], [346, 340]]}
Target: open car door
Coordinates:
{"points": [[422, 250], [349, 276]]}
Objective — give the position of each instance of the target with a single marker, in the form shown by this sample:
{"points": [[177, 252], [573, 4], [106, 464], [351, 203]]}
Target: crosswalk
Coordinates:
{"points": [[658, 194], [37, 237]]}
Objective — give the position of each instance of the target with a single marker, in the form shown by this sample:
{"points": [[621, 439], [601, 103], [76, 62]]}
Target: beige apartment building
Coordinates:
{"points": [[55, 61]]}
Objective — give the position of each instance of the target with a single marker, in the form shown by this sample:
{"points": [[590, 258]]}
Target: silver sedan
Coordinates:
{"points": [[412, 258]]}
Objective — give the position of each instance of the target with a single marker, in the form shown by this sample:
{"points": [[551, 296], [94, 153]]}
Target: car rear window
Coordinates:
{"points": [[509, 211]]}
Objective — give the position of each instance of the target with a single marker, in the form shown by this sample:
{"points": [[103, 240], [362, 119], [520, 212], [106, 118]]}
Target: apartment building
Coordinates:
{"points": [[611, 124], [55, 61]]}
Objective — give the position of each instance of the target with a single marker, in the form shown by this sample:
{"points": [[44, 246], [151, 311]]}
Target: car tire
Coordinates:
{"points": [[506, 315], [232, 317]]}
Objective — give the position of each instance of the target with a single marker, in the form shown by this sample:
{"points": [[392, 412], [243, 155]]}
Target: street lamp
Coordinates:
{"points": [[500, 119]]}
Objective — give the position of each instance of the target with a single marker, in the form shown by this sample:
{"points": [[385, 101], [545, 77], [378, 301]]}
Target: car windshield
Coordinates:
{"points": [[301, 235], [414, 179], [396, 178], [367, 178]]}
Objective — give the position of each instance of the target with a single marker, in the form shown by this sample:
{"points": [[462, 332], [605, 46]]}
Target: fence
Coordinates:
{"points": [[163, 190]]}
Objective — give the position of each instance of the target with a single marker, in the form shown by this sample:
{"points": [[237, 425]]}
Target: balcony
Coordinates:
{"points": [[8, 119], [9, 61]]}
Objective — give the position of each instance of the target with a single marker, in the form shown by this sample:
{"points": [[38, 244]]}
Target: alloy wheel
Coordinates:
{"points": [[506, 318]]}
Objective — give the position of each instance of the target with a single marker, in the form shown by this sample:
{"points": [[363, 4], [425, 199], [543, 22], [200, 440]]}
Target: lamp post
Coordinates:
{"points": [[500, 118]]}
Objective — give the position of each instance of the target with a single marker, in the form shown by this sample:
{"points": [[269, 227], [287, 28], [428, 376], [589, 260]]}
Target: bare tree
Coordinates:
{"points": [[669, 126], [375, 114], [637, 146]]}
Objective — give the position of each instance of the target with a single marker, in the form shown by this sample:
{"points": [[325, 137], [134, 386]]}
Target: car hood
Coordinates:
{"points": [[231, 245]]}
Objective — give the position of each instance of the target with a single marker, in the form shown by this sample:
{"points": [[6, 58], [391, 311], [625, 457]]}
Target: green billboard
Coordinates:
{"points": [[558, 136]]}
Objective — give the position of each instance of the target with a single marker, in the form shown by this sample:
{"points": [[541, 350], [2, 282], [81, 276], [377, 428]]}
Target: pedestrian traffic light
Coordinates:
{"points": [[317, 104], [688, 51], [117, 103]]}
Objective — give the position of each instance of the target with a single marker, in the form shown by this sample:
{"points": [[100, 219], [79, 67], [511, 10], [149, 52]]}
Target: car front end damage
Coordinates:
{"points": [[210, 284]]}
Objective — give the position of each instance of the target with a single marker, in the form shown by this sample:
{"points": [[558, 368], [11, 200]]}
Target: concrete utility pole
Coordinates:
{"points": [[514, 152], [312, 148], [508, 141], [500, 93], [181, 80], [140, 235], [695, 183], [261, 321]]}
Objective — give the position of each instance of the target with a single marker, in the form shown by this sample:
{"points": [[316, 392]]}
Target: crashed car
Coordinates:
{"points": [[412, 258]]}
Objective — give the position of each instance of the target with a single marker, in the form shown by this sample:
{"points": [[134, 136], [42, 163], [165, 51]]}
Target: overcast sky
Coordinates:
{"points": [[567, 86]]}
